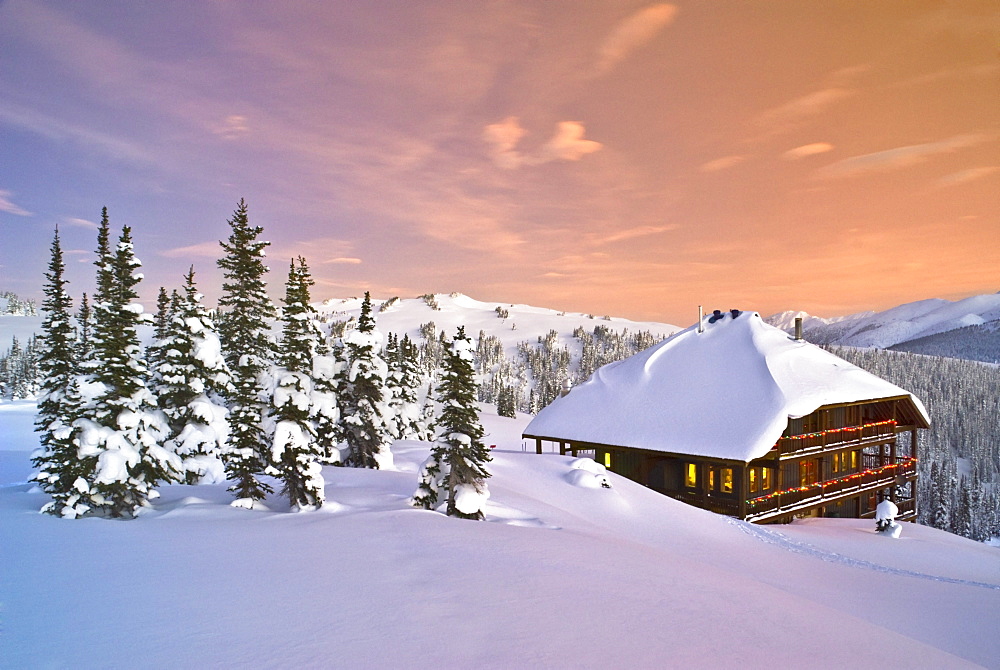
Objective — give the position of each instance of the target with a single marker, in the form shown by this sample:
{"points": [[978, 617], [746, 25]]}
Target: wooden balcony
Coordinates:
{"points": [[860, 436], [801, 498]]}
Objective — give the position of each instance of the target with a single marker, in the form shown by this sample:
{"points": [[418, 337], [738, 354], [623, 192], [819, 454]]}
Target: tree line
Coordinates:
{"points": [[215, 398]]}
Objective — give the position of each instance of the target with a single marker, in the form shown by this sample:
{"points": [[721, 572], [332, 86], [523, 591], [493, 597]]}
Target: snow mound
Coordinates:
{"points": [[589, 474]]}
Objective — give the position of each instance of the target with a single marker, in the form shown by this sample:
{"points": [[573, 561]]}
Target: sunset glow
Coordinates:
{"points": [[634, 159]]}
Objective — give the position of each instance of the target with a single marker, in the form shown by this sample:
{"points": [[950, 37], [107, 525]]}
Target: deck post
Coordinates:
{"points": [[538, 445]]}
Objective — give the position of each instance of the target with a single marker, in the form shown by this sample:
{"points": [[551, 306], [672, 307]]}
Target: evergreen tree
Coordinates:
{"points": [[363, 396], [191, 381], [295, 453], [120, 430], [162, 319], [56, 463], [459, 454], [243, 325], [406, 380], [85, 321]]}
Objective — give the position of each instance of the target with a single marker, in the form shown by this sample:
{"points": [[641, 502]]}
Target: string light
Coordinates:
{"points": [[904, 463], [831, 431]]}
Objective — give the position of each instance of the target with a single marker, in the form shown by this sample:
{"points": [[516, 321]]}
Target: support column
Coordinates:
{"points": [[538, 445]]}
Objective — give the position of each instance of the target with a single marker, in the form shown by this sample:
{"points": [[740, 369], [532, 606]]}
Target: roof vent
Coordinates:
{"points": [[735, 312], [798, 329], [716, 316]]}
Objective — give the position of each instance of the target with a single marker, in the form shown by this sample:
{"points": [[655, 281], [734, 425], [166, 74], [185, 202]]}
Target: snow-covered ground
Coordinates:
{"points": [[563, 574]]}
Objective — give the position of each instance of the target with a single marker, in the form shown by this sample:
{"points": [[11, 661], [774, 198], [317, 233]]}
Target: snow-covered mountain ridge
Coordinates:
{"points": [[511, 323], [900, 324]]}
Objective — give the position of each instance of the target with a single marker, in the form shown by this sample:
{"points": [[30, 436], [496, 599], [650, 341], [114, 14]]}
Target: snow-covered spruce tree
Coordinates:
{"points": [[120, 427], [245, 311], [191, 380], [459, 452], [295, 453], [85, 324], [405, 382], [56, 464], [365, 416]]}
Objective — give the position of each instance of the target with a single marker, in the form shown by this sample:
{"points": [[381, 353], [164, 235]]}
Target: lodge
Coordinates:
{"points": [[738, 417]]}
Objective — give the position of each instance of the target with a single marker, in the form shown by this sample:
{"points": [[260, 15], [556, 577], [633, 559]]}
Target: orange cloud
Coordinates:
{"points": [[965, 176], [721, 163], [503, 138], [633, 32], [807, 150], [568, 144], [894, 159]]}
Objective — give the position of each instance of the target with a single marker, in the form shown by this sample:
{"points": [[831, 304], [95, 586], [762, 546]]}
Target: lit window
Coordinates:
{"points": [[854, 460], [765, 479], [807, 473], [753, 480], [607, 459], [711, 479], [691, 475], [727, 480]]}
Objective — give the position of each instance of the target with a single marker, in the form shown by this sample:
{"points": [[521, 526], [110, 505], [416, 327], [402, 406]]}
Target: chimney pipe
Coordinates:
{"points": [[701, 319], [798, 328]]}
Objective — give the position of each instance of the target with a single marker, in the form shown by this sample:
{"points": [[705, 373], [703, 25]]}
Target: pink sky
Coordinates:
{"points": [[620, 158]]}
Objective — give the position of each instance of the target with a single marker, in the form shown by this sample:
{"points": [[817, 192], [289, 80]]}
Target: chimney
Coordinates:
{"points": [[701, 319], [798, 328]]}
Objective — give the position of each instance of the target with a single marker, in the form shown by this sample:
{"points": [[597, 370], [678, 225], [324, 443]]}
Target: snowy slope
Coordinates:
{"points": [[896, 325], [559, 576], [21, 327], [520, 323]]}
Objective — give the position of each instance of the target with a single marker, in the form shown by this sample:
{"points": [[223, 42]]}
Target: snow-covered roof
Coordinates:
{"points": [[727, 392]]}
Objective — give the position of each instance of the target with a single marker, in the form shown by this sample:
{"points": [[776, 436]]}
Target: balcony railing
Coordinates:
{"points": [[869, 432], [803, 496]]}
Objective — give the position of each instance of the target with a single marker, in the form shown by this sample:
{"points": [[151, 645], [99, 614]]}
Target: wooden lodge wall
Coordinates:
{"points": [[840, 461]]}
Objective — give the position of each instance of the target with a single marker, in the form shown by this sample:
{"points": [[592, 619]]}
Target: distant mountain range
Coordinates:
{"points": [[968, 328]]}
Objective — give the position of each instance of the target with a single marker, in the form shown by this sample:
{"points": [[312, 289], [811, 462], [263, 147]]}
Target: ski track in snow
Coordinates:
{"points": [[781, 540]]}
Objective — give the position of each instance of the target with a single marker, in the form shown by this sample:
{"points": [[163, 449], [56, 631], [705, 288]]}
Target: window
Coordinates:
{"points": [[753, 480], [765, 479], [807, 472], [854, 460], [711, 479], [607, 459], [727, 480], [691, 475]]}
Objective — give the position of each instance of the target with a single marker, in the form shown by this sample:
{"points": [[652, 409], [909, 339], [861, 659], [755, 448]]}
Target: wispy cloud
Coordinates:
{"points": [[803, 107], [9, 207], [567, 144], [503, 138], [894, 159], [807, 150], [965, 176], [341, 260], [638, 231], [79, 223], [200, 250], [723, 163], [51, 128], [233, 126], [631, 33]]}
